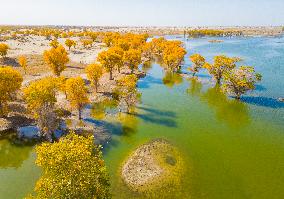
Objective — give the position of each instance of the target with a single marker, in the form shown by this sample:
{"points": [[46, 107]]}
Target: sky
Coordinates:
{"points": [[143, 12]]}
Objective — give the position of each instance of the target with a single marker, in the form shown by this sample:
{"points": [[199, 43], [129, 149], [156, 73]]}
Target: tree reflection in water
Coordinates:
{"points": [[109, 107], [129, 123], [171, 79], [146, 66], [12, 155], [230, 111]]}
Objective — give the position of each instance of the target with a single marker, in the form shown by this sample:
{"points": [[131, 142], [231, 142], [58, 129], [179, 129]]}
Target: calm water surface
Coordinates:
{"points": [[232, 149]]}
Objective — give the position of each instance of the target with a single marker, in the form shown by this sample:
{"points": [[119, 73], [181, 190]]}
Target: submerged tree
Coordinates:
{"points": [[198, 61], [10, 82], [72, 168], [77, 95], [56, 58], [126, 92], [94, 73], [41, 98], [221, 64], [240, 80], [3, 50], [173, 55]]}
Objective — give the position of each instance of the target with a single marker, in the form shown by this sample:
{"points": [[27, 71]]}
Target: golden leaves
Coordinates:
{"points": [[76, 92], [72, 168], [56, 58], [3, 49], [10, 81]]}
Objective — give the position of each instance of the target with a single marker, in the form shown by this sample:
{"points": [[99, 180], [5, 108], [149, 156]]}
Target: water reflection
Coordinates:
{"points": [[146, 66], [230, 111], [13, 154], [129, 123], [101, 109], [195, 87], [171, 79]]}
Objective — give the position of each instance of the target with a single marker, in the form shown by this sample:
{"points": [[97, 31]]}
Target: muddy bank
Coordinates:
{"points": [[156, 165]]}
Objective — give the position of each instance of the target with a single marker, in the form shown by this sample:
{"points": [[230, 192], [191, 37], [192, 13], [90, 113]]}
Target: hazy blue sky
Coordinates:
{"points": [[142, 12]]}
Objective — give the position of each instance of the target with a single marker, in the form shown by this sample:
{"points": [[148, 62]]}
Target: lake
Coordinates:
{"points": [[232, 149]]}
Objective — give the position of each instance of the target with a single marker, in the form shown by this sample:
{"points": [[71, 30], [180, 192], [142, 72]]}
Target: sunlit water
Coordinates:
{"points": [[232, 149]]}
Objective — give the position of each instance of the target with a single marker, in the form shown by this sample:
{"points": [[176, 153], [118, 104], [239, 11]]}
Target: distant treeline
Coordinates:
{"points": [[213, 33]]}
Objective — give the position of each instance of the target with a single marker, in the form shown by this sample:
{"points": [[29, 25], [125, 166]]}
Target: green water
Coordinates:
{"points": [[231, 149]]}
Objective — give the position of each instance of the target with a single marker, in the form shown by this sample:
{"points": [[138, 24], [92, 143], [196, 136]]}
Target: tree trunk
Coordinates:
{"points": [[132, 70], [238, 96], [218, 81], [110, 75], [96, 86], [79, 113], [48, 136]]}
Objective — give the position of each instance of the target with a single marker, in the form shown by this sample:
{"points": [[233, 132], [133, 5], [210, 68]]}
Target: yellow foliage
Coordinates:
{"points": [[221, 64], [87, 43], [147, 51], [56, 58], [72, 168], [93, 35], [3, 49], [94, 73], [54, 43], [240, 80], [41, 92], [198, 62], [110, 58], [126, 91], [10, 81], [132, 58], [77, 93], [69, 43], [23, 63]]}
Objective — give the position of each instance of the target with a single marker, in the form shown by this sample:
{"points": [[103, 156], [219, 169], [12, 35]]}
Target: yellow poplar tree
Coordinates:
{"points": [[54, 43], [40, 97], [109, 60], [147, 51], [93, 35], [132, 58], [87, 43], [240, 80], [23, 63], [221, 64], [77, 95], [56, 58], [118, 52], [94, 73], [3, 50], [72, 168], [10, 82], [126, 91], [69, 43], [198, 62]]}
